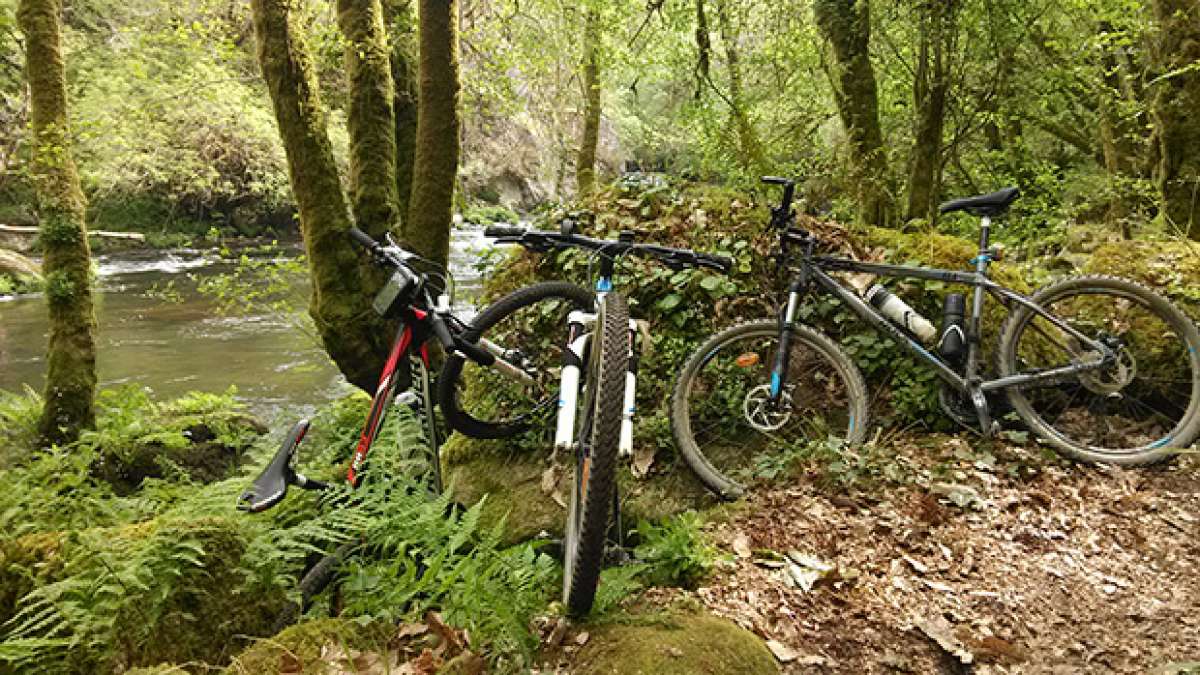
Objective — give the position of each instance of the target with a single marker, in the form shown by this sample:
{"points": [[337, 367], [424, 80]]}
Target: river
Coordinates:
{"points": [[172, 347]]}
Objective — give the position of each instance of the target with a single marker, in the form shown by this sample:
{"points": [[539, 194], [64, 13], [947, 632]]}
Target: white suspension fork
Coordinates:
{"points": [[629, 405], [568, 390]]}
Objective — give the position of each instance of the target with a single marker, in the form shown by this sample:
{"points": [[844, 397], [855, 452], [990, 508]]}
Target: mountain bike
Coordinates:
{"points": [[598, 357], [406, 297], [1097, 367]]}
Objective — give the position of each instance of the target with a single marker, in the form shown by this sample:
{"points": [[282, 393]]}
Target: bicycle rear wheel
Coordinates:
{"points": [[722, 417], [1131, 412], [596, 456], [530, 325]]}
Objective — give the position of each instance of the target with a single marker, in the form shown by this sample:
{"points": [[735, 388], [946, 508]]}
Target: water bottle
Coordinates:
{"points": [[899, 312], [953, 342]]}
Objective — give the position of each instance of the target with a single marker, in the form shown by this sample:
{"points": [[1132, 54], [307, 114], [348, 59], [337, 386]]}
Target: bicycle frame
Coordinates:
{"points": [[402, 348], [815, 269]]}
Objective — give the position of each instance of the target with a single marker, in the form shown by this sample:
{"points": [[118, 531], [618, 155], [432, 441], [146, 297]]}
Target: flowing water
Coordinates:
{"points": [[173, 347]]}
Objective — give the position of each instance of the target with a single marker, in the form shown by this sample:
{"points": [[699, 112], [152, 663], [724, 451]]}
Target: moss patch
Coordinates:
{"points": [[1170, 267], [512, 484], [690, 644], [298, 648]]}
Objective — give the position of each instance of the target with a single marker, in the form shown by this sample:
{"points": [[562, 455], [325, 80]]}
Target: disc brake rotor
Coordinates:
{"points": [[1112, 378], [764, 415]]}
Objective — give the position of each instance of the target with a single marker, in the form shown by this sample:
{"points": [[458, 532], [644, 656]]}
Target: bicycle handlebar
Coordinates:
{"points": [[544, 240]]}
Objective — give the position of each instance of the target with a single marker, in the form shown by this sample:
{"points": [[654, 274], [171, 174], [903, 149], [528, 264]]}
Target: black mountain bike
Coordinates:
{"points": [[598, 357], [1100, 368]]}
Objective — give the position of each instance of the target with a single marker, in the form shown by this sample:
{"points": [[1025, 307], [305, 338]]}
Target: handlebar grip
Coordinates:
{"points": [[503, 231], [363, 239], [475, 352], [778, 180], [721, 263]]}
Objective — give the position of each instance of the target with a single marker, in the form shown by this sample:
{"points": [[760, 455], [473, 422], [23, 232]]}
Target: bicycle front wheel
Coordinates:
{"points": [[731, 433], [596, 457], [1132, 411], [529, 326]]}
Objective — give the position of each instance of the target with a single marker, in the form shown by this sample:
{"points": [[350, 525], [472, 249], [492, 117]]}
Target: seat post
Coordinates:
{"points": [[985, 227]]}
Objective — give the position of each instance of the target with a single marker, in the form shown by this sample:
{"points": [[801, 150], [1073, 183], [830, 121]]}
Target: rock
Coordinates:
{"points": [[684, 644], [516, 483], [299, 648]]}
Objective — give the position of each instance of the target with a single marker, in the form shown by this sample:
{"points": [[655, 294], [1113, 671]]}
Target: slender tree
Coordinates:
{"points": [[931, 85], [750, 153], [435, 162], [585, 165], [71, 358], [1176, 122], [402, 34], [371, 117], [846, 25], [340, 304]]}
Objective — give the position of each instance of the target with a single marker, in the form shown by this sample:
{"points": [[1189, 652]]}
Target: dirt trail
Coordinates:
{"points": [[982, 562]]}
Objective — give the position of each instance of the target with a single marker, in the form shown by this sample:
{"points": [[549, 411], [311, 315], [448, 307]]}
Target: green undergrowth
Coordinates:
{"points": [[99, 578]]}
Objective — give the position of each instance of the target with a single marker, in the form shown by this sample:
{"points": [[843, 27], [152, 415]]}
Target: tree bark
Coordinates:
{"points": [[585, 164], [1177, 124], [371, 119], [930, 89], [435, 162], [846, 25], [71, 355], [402, 31], [703, 50], [340, 304], [750, 152]]}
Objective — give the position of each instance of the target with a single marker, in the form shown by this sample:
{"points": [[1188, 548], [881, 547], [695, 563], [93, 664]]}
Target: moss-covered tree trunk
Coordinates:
{"points": [[1121, 121], [930, 88], [435, 162], [750, 152], [585, 164], [71, 356], [340, 304], [371, 119], [1176, 112], [402, 33], [846, 25]]}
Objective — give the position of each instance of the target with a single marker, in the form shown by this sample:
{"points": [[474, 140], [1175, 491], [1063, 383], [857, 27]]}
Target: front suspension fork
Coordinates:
{"points": [[786, 322]]}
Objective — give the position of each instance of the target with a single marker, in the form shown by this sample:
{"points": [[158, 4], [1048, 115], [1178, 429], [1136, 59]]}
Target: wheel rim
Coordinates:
{"points": [[729, 414], [1137, 403]]}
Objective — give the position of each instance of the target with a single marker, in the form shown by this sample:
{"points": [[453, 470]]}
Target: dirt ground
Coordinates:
{"points": [[981, 559]]}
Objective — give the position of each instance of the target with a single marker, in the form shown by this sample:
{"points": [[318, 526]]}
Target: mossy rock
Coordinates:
{"points": [[1169, 267], [205, 448], [683, 644], [25, 563], [201, 618], [944, 251], [299, 646], [511, 481], [161, 669]]}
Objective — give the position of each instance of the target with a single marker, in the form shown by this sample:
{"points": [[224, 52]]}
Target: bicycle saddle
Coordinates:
{"points": [[271, 485], [991, 204]]}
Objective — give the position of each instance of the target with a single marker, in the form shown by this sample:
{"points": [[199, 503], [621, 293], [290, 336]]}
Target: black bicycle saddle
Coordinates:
{"points": [[991, 204], [271, 485]]}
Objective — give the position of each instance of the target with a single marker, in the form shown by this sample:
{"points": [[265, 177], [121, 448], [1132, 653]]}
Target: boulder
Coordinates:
{"points": [[682, 644]]}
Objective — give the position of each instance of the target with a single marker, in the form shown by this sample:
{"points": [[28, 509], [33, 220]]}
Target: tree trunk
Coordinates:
{"points": [[71, 356], [1177, 124], [1119, 129], [703, 50], [435, 162], [846, 25], [585, 165], [340, 305], [402, 31], [930, 88], [370, 120], [750, 153]]}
